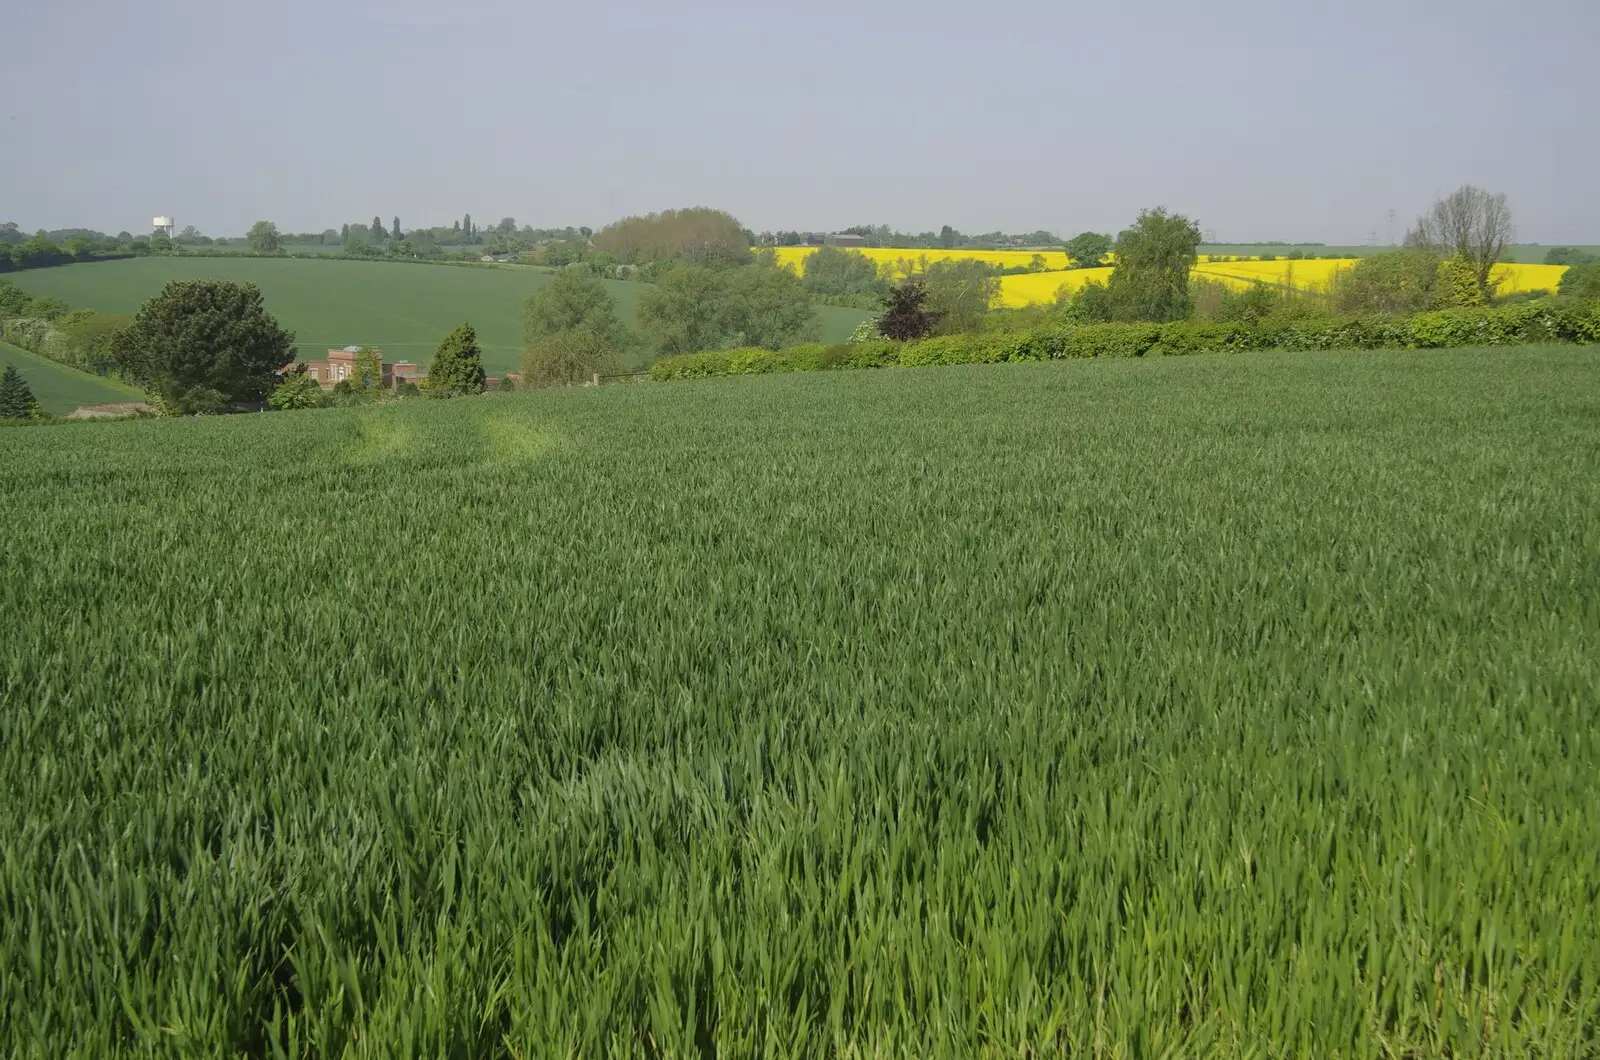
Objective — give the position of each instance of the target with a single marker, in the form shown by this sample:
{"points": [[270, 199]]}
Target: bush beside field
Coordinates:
{"points": [[1448, 328]]}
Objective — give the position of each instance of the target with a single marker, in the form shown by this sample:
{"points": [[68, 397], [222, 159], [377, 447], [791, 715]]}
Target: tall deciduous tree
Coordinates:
{"points": [[16, 399], [682, 312], [367, 371], [466, 227], [377, 231], [201, 345], [698, 236], [764, 305], [575, 300], [1470, 224], [1088, 250], [263, 237], [836, 272], [1154, 258], [344, 234], [960, 294], [457, 366], [1581, 281], [396, 232]]}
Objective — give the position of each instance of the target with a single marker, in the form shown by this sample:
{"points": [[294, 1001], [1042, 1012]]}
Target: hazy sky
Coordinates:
{"points": [[1275, 120]]}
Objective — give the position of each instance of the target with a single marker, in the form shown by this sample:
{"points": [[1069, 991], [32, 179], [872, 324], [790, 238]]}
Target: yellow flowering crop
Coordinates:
{"points": [[1312, 275], [891, 256]]}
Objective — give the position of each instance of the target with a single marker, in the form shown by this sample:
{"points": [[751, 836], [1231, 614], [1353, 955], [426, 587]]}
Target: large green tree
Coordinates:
{"points": [[377, 231], [960, 294], [574, 300], [201, 345], [1154, 259], [1581, 281], [16, 399], [263, 237], [1392, 282], [699, 236], [457, 366], [1088, 250], [765, 305], [682, 312], [833, 272]]}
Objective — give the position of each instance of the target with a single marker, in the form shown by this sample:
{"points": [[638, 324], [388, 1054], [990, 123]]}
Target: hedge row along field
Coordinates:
{"points": [[1446, 328], [1210, 706]]}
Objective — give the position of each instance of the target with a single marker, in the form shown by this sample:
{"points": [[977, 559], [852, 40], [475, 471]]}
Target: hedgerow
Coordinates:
{"points": [[1505, 326]]}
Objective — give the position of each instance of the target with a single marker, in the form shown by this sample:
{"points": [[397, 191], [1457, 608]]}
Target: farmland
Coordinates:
{"points": [[404, 309], [60, 389], [1030, 288], [1024, 289], [1212, 706]]}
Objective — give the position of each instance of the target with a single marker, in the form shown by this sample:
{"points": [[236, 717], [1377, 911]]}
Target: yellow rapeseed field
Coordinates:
{"points": [[795, 257], [1314, 275]]}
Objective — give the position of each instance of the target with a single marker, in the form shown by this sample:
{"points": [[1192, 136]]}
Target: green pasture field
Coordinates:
{"points": [[60, 389], [1526, 253], [1225, 706], [404, 309]]}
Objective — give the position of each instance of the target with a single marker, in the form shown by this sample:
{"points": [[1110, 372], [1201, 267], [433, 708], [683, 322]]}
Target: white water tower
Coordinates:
{"points": [[162, 225]]}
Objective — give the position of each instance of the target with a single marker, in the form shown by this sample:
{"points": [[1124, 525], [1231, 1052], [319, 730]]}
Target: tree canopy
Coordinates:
{"points": [[16, 399], [1581, 281], [457, 366], [575, 299], [905, 313], [201, 345], [1088, 250], [699, 236], [836, 272], [1154, 258], [960, 294], [263, 237], [682, 312]]}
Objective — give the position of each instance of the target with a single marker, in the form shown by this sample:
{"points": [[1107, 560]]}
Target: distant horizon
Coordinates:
{"points": [[180, 225]]}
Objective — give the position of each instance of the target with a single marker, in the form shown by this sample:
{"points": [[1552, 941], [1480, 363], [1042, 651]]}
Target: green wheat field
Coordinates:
{"points": [[1236, 706]]}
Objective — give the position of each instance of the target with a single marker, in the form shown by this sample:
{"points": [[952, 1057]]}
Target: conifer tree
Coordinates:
{"points": [[16, 400], [457, 366]]}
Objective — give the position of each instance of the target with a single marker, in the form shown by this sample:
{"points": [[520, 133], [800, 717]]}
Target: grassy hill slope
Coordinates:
{"points": [[61, 389], [404, 309]]}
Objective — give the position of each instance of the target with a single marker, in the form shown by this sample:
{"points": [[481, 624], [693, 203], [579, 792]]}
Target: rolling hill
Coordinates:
{"points": [[402, 308]]}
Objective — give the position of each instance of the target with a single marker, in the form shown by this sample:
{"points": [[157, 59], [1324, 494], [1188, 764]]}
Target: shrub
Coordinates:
{"points": [[565, 357], [1581, 281], [297, 391]]}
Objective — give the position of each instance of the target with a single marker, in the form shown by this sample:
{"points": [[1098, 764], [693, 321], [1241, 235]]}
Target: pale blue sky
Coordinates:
{"points": [[1298, 121]]}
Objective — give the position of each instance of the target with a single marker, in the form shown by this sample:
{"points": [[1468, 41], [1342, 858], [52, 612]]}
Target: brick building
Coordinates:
{"points": [[340, 365]]}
